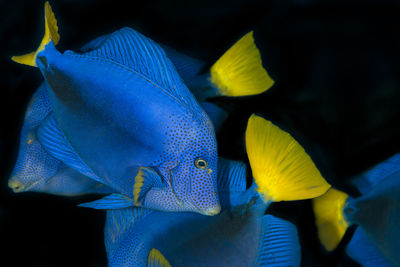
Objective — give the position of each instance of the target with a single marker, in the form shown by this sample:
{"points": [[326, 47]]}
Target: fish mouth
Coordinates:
{"points": [[19, 187], [211, 211]]}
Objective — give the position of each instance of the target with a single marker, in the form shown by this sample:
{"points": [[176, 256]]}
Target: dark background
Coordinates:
{"points": [[336, 68]]}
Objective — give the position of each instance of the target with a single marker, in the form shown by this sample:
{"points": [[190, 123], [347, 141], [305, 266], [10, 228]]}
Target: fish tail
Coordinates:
{"points": [[50, 34], [281, 168], [329, 218], [239, 72]]}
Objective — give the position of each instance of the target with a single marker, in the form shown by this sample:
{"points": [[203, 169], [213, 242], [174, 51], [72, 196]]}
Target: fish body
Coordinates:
{"points": [[376, 213], [123, 115]]}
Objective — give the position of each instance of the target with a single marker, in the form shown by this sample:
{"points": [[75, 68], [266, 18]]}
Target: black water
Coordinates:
{"points": [[337, 91]]}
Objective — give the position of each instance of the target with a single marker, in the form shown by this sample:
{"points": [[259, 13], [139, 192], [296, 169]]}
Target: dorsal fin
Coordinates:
{"points": [[148, 60], [186, 66], [231, 175], [279, 244], [118, 221], [56, 144]]}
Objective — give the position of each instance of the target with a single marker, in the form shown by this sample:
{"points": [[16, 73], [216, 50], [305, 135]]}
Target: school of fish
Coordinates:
{"points": [[127, 118]]}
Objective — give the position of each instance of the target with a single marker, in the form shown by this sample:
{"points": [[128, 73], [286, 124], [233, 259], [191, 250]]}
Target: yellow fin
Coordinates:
{"points": [[156, 259], [239, 72], [50, 34], [137, 187], [281, 168], [329, 218]]}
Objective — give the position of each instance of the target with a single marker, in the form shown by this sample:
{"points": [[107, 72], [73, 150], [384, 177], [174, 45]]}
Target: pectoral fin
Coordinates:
{"points": [[156, 259], [113, 201], [145, 179]]}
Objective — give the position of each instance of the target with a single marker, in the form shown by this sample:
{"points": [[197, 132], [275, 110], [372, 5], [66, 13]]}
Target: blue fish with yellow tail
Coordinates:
{"points": [[36, 170], [123, 117], [241, 235], [376, 240]]}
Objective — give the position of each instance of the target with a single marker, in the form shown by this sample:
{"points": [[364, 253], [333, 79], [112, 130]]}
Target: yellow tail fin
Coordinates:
{"points": [[156, 258], [331, 224], [239, 71], [50, 34], [281, 168]]}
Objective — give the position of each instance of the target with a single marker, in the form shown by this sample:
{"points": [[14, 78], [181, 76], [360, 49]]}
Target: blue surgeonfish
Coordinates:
{"points": [[376, 213], [241, 235], [123, 117], [38, 171]]}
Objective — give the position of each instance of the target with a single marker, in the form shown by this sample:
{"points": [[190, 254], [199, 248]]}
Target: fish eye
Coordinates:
{"points": [[201, 163]]}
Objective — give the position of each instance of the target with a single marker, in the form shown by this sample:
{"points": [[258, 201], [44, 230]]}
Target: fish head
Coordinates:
{"points": [[194, 179], [34, 166]]}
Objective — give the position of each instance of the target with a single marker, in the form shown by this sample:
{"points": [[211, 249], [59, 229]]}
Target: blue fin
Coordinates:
{"points": [[231, 175], [53, 140], [362, 250], [146, 59], [279, 244], [118, 221], [145, 179], [216, 114], [366, 181], [93, 44], [113, 201], [186, 66]]}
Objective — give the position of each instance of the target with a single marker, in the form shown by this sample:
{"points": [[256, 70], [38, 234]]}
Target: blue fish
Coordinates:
{"points": [[376, 240], [241, 235], [123, 117], [36, 170]]}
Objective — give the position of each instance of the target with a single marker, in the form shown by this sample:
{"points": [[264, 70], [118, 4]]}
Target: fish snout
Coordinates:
{"points": [[212, 210], [16, 186]]}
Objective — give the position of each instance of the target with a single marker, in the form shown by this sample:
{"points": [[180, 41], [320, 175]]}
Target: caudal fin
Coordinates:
{"points": [[329, 218], [239, 72], [50, 34], [281, 168]]}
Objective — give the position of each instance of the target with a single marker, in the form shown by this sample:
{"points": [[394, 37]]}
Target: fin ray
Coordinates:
{"points": [[279, 244]]}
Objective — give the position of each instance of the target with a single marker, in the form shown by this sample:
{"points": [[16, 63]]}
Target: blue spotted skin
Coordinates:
{"points": [[36, 170], [377, 213], [122, 106], [239, 236]]}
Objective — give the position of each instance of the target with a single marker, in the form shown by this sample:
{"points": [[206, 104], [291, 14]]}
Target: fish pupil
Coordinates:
{"points": [[200, 163]]}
